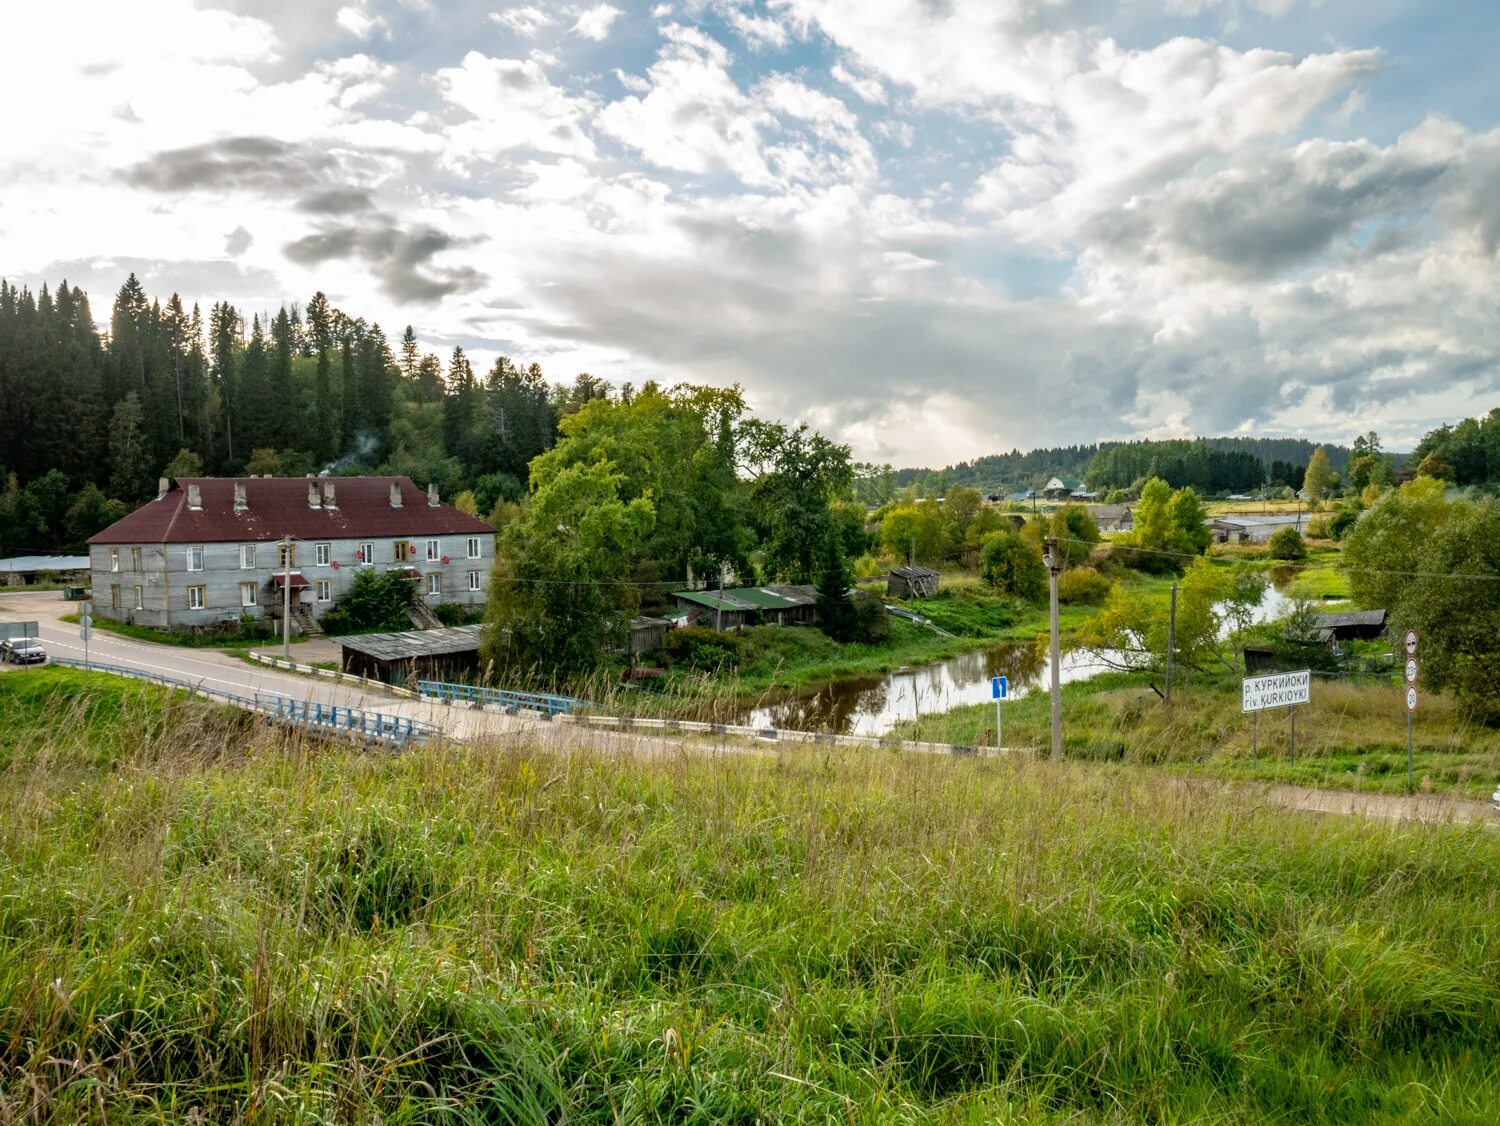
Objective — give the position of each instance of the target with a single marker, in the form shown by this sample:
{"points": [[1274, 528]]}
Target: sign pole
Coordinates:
{"points": [[1292, 743], [1254, 735], [999, 731], [1408, 750]]}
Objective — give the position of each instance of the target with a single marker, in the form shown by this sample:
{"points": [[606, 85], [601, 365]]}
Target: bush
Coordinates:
{"points": [[1083, 586], [701, 648], [1008, 562], [375, 601], [1318, 529], [1287, 544], [1340, 522]]}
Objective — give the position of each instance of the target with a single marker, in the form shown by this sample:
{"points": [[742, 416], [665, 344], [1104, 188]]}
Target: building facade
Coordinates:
{"points": [[209, 550]]}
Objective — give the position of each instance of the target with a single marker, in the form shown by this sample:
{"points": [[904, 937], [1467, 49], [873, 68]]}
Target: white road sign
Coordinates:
{"points": [[1411, 643], [85, 633], [1411, 670], [1411, 698], [1280, 690]]}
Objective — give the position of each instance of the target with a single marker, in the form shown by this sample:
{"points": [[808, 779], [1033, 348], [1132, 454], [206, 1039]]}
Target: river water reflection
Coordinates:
{"points": [[872, 705]]}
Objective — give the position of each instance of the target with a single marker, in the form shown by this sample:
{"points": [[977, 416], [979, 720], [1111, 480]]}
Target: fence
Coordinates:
{"points": [[499, 697], [329, 674], [394, 729], [777, 735]]}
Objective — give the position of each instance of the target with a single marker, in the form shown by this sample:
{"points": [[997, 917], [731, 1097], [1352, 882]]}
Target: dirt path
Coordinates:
{"points": [[1432, 808]]}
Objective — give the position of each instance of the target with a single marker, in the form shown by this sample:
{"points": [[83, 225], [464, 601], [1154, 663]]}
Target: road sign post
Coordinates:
{"points": [[1411, 697], [1000, 690], [1279, 690]]}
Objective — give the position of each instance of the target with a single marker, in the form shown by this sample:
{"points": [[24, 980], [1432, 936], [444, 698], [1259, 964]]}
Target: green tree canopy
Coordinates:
{"points": [[561, 591], [1008, 562]]}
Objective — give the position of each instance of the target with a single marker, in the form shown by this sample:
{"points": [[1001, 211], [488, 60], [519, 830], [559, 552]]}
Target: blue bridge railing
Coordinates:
{"points": [[380, 726], [471, 694]]}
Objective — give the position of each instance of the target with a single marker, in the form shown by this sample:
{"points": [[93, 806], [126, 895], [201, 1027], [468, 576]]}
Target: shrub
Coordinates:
{"points": [[1318, 529], [1007, 561], [868, 567], [1287, 544], [374, 601], [1083, 586], [701, 648], [1340, 522]]}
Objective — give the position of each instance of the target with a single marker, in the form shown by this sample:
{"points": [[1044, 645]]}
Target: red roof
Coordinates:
{"points": [[277, 506]]}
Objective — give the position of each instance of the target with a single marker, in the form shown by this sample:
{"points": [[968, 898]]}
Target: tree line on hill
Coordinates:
{"points": [[1209, 465]]}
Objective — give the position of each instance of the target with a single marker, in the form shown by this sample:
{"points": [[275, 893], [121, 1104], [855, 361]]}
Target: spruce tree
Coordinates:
{"points": [[836, 613]]}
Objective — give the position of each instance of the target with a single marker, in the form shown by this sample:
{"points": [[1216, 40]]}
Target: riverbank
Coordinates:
{"points": [[1352, 736]]}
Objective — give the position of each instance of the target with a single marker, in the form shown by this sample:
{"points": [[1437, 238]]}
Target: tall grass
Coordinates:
{"points": [[532, 932]]}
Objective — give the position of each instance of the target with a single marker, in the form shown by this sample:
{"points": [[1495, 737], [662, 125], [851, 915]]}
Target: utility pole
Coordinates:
{"points": [[1050, 559], [719, 604], [286, 599], [1171, 643]]}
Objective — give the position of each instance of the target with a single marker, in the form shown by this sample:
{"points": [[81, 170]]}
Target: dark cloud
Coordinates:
{"points": [[402, 259], [237, 241], [336, 201], [235, 164], [1256, 221]]}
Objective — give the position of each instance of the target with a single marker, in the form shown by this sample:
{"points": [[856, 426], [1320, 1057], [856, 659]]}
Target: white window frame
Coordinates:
{"points": [[197, 597], [434, 550], [325, 590], [114, 559], [140, 597], [249, 595], [190, 557], [434, 582], [367, 555], [475, 547], [114, 596], [247, 557], [135, 559], [474, 580], [322, 553]]}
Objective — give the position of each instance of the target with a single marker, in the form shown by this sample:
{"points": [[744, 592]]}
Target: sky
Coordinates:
{"points": [[933, 229]]}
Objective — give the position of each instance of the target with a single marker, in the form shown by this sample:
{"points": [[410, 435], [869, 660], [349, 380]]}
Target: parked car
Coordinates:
{"points": [[25, 651]]}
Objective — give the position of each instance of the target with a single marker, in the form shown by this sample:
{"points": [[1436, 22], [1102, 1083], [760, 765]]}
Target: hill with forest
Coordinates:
{"points": [[1208, 464]]}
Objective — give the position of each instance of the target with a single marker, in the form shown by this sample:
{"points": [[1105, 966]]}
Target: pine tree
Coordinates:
{"points": [[129, 460], [836, 614]]}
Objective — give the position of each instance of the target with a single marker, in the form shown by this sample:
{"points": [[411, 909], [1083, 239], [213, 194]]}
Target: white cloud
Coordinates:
{"points": [[594, 23], [526, 21], [694, 118], [513, 105], [357, 20], [869, 89], [758, 31]]}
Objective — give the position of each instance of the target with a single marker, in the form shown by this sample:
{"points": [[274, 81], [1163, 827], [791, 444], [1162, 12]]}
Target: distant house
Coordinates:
{"points": [[1059, 488], [1112, 517], [23, 570], [1349, 625], [911, 582], [781, 605], [208, 549], [1253, 528]]}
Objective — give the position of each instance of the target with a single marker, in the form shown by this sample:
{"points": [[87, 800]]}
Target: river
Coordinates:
{"points": [[872, 705]]}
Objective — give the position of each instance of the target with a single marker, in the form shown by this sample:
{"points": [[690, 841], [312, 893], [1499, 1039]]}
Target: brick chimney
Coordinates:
{"points": [[395, 495], [241, 501], [314, 500], [432, 496], [195, 498], [329, 497]]}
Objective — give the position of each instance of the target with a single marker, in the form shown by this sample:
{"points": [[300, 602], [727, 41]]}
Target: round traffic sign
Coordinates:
{"points": [[85, 633], [1411, 670], [1411, 643], [1411, 698]]}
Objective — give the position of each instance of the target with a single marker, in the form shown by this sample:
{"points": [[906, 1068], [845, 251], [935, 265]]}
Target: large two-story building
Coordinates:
{"points": [[208, 549]]}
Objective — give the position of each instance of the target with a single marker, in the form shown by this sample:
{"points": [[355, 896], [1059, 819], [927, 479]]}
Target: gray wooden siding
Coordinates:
{"points": [[165, 578]]}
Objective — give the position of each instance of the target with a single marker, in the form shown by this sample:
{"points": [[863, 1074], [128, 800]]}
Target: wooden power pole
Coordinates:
{"points": [[1053, 567]]}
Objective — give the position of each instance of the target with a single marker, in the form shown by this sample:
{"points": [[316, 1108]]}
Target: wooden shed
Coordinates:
{"points": [[429, 654], [911, 582]]}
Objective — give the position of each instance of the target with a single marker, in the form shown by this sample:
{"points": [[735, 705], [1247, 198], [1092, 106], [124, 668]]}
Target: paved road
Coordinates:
{"points": [[228, 672]]}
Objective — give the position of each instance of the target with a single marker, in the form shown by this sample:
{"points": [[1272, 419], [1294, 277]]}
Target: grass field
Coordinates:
{"points": [[181, 638], [275, 932]]}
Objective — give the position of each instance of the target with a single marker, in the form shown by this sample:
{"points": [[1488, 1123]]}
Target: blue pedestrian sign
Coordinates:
{"points": [[999, 688]]}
